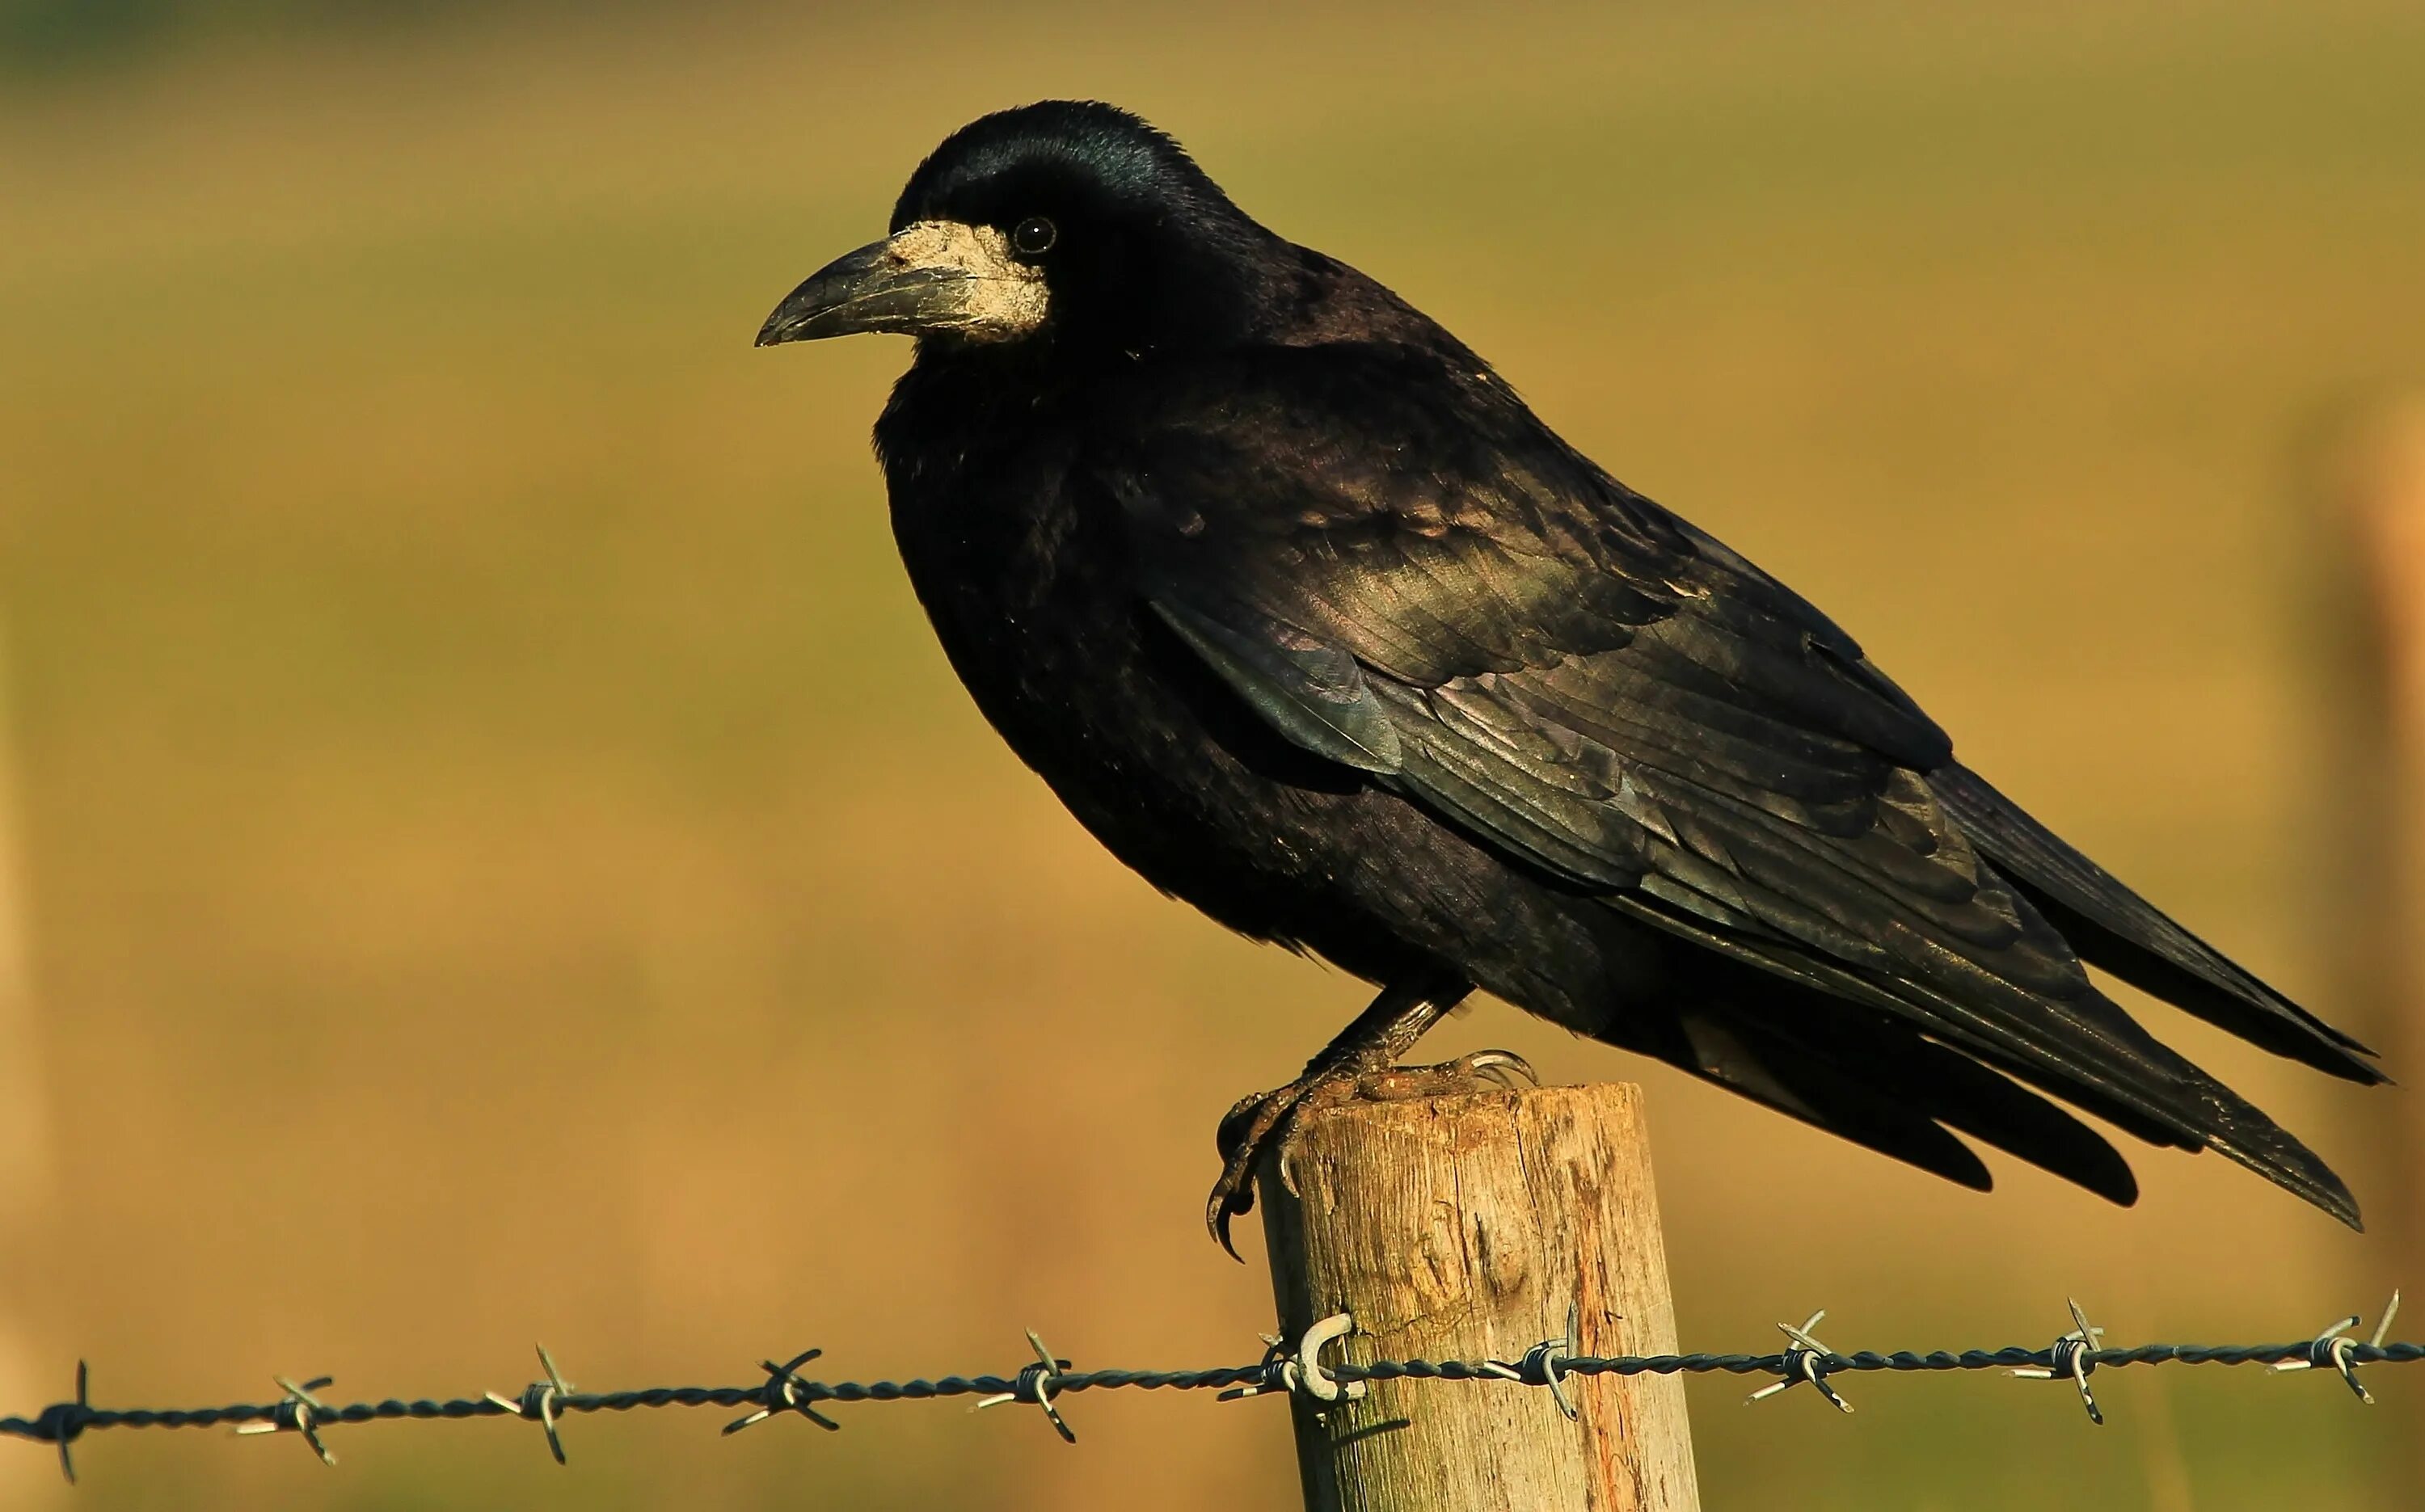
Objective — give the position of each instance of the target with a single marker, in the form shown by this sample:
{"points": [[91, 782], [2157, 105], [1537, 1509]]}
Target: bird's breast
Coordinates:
{"points": [[1025, 572], [1029, 593]]}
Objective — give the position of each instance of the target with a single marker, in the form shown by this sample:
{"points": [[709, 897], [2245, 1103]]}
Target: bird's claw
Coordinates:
{"points": [[1254, 1125], [1498, 1068], [1506, 1067], [1267, 1122]]}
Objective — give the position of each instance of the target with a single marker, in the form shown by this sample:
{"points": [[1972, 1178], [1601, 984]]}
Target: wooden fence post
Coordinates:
{"points": [[1462, 1228]]}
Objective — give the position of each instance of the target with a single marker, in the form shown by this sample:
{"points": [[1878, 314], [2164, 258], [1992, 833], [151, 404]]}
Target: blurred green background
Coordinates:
{"points": [[494, 852]]}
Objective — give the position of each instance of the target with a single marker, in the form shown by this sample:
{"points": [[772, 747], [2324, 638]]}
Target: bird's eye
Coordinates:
{"points": [[1033, 237]]}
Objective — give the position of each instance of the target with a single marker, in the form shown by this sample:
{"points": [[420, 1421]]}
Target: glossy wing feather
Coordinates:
{"points": [[1470, 612]]}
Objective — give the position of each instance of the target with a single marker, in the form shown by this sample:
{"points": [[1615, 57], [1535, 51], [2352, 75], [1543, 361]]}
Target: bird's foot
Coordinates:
{"points": [[1268, 1122]]}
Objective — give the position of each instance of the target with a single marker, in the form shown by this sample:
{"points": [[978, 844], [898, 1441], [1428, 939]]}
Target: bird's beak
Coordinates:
{"points": [[934, 277]]}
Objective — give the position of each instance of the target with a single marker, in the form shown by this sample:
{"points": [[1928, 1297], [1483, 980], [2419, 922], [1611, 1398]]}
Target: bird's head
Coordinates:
{"points": [[1065, 225]]}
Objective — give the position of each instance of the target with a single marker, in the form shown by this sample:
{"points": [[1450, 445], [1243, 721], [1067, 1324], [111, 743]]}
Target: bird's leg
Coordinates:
{"points": [[1360, 1063]]}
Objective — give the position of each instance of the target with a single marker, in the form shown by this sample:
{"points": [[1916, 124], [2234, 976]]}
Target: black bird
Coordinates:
{"points": [[1312, 622]]}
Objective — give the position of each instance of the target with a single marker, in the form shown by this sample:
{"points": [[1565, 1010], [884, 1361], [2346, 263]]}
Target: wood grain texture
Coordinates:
{"points": [[1461, 1228]]}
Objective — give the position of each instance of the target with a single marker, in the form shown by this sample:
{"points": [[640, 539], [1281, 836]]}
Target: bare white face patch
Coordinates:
{"points": [[984, 291]]}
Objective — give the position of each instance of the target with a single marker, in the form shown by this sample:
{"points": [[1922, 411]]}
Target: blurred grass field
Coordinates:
{"points": [[501, 857]]}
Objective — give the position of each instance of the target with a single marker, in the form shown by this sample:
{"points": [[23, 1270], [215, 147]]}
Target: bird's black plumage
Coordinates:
{"points": [[1308, 619]]}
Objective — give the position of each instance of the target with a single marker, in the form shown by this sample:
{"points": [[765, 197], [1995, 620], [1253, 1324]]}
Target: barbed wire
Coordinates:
{"points": [[1295, 1370]]}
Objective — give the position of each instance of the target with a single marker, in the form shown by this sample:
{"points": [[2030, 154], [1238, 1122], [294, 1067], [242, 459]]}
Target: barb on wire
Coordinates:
{"points": [[541, 1400], [1807, 1360], [785, 1393], [1544, 1364], [2331, 1350], [299, 1410], [1037, 1383], [2075, 1355], [63, 1423]]}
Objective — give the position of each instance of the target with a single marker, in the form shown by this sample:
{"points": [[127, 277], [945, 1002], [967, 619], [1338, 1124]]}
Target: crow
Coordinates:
{"points": [[1308, 619]]}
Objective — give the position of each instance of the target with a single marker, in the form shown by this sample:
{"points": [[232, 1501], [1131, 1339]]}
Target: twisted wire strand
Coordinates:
{"points": [[63, 1423]]}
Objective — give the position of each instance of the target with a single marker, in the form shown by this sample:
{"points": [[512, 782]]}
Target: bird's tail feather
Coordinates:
{"points": [[2113, 928], [1873, 1079], [2119, 1072]]}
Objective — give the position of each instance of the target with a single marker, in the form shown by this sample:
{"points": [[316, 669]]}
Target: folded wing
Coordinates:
{"points": [[1479, 619]]}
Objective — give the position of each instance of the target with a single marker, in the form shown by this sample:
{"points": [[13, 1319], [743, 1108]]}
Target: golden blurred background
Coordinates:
{"points": [[489, 850]]}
